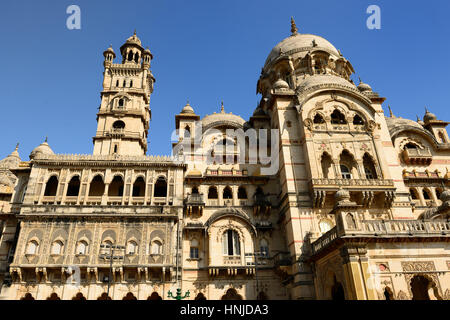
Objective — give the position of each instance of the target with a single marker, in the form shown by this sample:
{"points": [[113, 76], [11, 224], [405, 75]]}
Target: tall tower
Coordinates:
{"points": [[124, 113]]}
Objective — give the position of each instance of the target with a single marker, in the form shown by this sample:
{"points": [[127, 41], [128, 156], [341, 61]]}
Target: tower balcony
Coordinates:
{"points": [[350, 228], [416, 156], [366, 190], [194, 204]]}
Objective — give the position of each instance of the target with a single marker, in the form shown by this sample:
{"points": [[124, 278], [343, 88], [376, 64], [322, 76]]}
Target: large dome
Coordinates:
{"points": [[222, 119], [301, 43]]}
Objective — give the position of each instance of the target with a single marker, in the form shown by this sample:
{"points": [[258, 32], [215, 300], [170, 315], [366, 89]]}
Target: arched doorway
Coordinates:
{"points": [[53, 296], [104, 296], [262, 296], [79, 296], [27, 296], [200, 296], [154, 296], [129, 296], [424, 288], [231, 294], [337, 291]]}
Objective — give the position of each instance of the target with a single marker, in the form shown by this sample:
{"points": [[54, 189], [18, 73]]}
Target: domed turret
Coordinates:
{"points": [[132, 50], [109, 55], [43, 148], [363, 87], [187, 109], [429, 116], [298, 57], [12, 160], [342, 195]]}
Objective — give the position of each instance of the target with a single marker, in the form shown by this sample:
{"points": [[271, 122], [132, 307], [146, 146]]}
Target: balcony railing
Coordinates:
{"points": [[382, 228], [351, 183], [417, 156], [195, 199]]}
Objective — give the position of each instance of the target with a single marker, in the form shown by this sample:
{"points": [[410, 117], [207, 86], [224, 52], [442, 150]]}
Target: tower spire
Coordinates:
{"points": [[294, 29]]}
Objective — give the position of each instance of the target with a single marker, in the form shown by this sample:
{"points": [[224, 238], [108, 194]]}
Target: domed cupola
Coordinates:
{"points": [[109, 55], [298, 57], [429, 116], [12, 160], [280, 84], [187, 109], [364, 87], [43, 148], [132, 50]]}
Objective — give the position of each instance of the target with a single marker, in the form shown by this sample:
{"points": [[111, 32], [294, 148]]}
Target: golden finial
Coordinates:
{"points": [[293, 27], [222, 110], [46, 138], [360, 81], [134, 31], [17, 146]]}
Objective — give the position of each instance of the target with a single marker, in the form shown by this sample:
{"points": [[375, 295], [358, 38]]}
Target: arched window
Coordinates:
{"points": [[117, 83], [132, 247], [442, 137], [337, 117], [139, 187], [131, 83], [345, 172], [154, 296], [51, 186], [116, 187], [74, 187], [326, 163], [410, 146], [230, 243], [32, 247], [193, 253], [119, 124], [121, 102], [130, 56], [413, 194], [57, 247], [212, 193], [242, 193], [357, 120], [438, 193], [227, 193], [200, 296], [124, 83], [79, 296], [318, 119], [82, 248], [264, 247], [231, 294], [346, 162], [129, 296], [97, 187], [187, 132], [136, 57], [426, 194], [194, 190], [156, 247], [161, 187], [324, 226], [369, 167]]}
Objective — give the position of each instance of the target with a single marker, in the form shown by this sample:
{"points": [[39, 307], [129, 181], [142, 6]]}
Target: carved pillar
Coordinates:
{"points": [[357, 278], [422, 199]]}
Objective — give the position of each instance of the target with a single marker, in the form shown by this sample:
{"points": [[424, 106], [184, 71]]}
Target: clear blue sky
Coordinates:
{"points": [[204, 51]]}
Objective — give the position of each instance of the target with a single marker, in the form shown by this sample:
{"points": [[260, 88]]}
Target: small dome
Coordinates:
{"points": [[43, 148], [364, 86], [342, 195], [429, 116], [259, 112], [110, 49], [134, 40], [445, 196], [420, 121], [187, 109], [280, 84], [301, 43], [12, 160]]}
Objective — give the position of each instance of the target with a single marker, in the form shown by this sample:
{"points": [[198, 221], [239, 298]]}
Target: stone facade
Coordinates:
{"points": [[357, 207]]}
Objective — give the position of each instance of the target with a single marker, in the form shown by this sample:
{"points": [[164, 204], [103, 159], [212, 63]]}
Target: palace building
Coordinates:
{"points": [[355, 205]]}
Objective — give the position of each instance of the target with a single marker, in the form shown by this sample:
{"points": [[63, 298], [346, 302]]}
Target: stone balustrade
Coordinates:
{"points": [[382, 228]]}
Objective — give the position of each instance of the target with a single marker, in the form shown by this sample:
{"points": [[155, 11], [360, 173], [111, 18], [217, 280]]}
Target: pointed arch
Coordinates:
{"points": [[73, 188], [116, 186], [97, 186], [370, 170], [51, 186], [326, 164]]}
